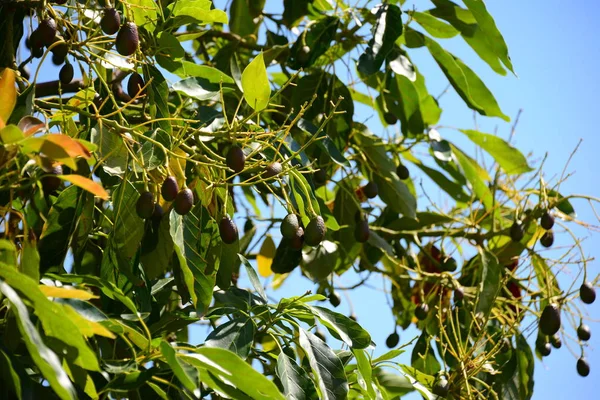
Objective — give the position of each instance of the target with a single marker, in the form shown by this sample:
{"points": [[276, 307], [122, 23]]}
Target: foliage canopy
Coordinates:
{"points": [[123, 182]]}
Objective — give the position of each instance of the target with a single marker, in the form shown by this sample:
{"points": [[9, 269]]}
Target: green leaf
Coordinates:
{"points": [[365, 372], [454, 189], [488, 26], [478, 185], [510, 159], [392, 190], [547, 282], [10, 375], [434, 26], [253, 277], [286, 258], [157, 249], [320, 261], [562, 204], [55, 238], [111, 149], [30, 260], [294, 10], [525, 368], [390, 355], [144, 13], [346, 329], [236, 335], [326, 367], [385, 32], [293, 378], [8, 252], [45, 359], [394, 385], [196, 11], [169, 46], [318, 37], [11, 134], [491, 282], [198, 88], [55, 321], [170, 356], [192, 235], [229, 368], [153, 154], [158, 97], [128, 227], [255, 82], [304, 196], [422, 358], [242, 17], [466, 83]]}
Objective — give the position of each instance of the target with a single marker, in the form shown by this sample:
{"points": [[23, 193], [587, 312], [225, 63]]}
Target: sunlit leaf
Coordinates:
{"points": [[255, 82], [8, 94], [86, 184], [265, 256]]}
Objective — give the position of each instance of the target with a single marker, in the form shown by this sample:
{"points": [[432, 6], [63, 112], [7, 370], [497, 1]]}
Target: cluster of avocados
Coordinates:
{"points": [[550, 324], [517, 230]]}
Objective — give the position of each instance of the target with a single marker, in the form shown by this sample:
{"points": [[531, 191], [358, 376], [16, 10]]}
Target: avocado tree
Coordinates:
{"points": [[123, 183]]}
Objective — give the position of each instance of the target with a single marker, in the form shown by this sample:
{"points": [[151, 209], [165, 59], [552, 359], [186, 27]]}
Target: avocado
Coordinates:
{"points": [[587, 293], [584, 332], [550, 319], [289, 226], [390, 118], [47, 31], [135, 85], [298, 240], [59, 50], [236, 159], [303, 55], [127, 40], [51, 184], [371, 190], [555, 341], [315, 231], [57, 60], [334, 299], [228, 230], [392, 340], [547, 221], [248, 226], [66, 74], [184, 201], [583, 368], [272, 170], [441, 387], [459, 294], [145, 205], [111, 21], [449, 264], [362, 231], [516, 231], [547, 239], [543, 347], [421, 311], [402, 172], [320, 176], [169, 188]]}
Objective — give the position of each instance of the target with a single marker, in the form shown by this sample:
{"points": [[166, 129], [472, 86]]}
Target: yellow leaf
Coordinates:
{"points": [[86, 184], [177, 166], [86, 327], [265, 256], [66, 293], [8, 93]]}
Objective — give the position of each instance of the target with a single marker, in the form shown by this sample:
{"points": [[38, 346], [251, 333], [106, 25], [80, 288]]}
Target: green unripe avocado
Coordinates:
{"points": [[315, 231]]}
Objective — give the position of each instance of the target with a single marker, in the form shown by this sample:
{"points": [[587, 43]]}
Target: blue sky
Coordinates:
{"points": [[555, 49]]}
